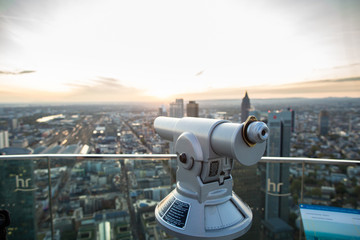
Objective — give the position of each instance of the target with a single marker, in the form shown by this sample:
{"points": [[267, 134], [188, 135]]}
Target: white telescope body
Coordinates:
{"points": [[203, 205], [219, 138]]}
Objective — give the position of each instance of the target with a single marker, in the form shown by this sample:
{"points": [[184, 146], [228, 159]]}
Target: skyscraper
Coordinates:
{"points": [[245, 107], [4, 139], [277, 190], [177, 111], [17, 195], [162, 111], [13, 123], [292, 119], [177, 108], [323, 123], [192, 109], [280, 133], [247, 184]]}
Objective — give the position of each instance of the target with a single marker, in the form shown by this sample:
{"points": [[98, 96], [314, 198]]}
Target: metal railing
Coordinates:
{"points": [[172, 156], [159, 157]]}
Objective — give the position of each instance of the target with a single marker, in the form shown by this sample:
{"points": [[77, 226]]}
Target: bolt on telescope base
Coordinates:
{"points": [[187, 218]]}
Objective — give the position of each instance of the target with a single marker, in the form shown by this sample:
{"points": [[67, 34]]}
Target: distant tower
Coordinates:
{"points": [[14, 123], [177, 111], [292, 119], [245, 107], [177, 108], [350, 124], [192, 109], [323, 123]]}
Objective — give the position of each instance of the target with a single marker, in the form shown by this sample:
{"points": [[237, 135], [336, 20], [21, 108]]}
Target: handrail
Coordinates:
{"points": [[167, 156], [308, 160], [90, 156]]}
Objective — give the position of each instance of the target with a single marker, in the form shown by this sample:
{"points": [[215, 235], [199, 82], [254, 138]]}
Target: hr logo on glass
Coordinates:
{"points": [[274, 189], [23, 184]]}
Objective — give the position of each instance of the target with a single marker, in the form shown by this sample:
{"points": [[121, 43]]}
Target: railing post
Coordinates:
{"points": [[50, 198], [302, 196], [302, 182]]}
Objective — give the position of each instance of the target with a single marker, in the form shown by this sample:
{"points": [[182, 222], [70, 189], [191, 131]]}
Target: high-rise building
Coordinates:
{"points": [[192, 109], [350, 123], [247, 184], [17, 195], [324, 117], [245, 107], [177, 108], [276, 182], [162, 111], [4, 139], [14, 123], [177, 111], [292, 119], [280, 132]]}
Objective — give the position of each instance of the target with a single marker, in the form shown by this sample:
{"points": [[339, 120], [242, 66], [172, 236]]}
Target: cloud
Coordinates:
{"points": [[108, 90], [101, 89], [16, 72], [22, 95], [348, 87], [200, 73], [354, 79], [347, 66]]}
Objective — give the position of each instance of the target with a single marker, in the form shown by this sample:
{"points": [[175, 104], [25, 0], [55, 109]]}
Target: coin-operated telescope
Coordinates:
{"points": [[203, 205]]}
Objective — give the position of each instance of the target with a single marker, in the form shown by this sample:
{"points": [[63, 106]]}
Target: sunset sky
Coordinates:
{"points": [[112, 50]]}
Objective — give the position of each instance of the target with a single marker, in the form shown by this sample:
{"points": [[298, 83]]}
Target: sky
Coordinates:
{"points": [[113, 50]]}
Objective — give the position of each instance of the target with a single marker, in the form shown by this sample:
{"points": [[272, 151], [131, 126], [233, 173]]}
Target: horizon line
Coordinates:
{"points": [[159, 102]]}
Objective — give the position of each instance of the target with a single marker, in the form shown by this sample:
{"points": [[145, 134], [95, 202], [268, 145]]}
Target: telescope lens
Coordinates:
{"points": [[257, 132], [263, 132]]}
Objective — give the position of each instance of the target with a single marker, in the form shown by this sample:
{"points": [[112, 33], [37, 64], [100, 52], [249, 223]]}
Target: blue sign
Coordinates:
{"points": [[330, 223]]}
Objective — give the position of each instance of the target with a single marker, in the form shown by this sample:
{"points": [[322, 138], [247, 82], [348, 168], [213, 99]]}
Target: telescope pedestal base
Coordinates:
{"points": [[184, 217]]}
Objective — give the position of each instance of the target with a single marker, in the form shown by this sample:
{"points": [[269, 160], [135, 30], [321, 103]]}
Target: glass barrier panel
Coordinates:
{"points": [[24, 193], [113, 198], [272, 191], [148, 183], [331, 201]]}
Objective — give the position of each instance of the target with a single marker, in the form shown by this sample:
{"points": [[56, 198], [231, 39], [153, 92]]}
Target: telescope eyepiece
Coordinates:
{"points": [[257, 132]]}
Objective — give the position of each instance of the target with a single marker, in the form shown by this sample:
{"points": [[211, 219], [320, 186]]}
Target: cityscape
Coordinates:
{"points": [[100, 102], [88, 197]]}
